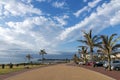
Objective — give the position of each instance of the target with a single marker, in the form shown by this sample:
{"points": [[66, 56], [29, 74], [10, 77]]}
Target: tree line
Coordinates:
{"points": [[103, 43]]}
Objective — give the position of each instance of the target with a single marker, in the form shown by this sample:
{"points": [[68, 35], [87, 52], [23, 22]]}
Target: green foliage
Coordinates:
{"points": [[16, 68], [42, 53], [29, 57], [84, 52], [75, 59], [108, 46], [91, 41]]}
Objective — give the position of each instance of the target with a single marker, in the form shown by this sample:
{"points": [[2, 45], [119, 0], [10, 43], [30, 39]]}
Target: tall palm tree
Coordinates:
{"points": [[84, 52], [91, 41], [42, 53], [109, 46], [29, 57]]}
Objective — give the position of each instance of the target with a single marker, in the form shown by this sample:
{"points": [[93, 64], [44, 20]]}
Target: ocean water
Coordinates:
{"points": [[22, 58]]}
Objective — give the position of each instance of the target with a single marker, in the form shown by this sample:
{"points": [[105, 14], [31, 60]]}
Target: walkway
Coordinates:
{"points": [[60, 72]]}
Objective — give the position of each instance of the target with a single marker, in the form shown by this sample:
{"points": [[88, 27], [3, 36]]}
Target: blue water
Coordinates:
{"points": [[22, 58]]}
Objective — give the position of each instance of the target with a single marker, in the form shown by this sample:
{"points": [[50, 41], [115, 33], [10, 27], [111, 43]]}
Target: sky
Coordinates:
{"points": [[54, 25]]}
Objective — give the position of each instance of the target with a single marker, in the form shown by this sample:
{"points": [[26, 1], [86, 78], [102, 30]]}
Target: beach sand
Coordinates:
{"points": [[60, 72]]}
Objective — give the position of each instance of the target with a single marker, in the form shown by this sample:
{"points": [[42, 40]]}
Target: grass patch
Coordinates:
{"points": [[8, 70], [15, 68]]}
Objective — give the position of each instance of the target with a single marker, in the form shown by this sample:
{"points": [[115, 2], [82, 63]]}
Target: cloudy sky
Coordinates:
{"points": [[54, 25]]}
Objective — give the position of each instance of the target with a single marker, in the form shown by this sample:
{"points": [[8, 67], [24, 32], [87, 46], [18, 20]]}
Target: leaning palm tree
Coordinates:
{"points": [[84, 52], [29, 57], [109, 46], [91, 41], [42, 52]]}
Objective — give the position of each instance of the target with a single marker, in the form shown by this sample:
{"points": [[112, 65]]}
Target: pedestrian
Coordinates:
{"points": [[11, 65], [3, 66]]}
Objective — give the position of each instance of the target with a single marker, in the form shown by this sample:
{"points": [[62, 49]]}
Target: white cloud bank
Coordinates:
{"points": [[35, 32], [106, 15], [17, 8]]}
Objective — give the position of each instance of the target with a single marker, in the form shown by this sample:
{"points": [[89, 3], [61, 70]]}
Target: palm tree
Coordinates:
{"points": [[102, 56], [42, 52], [91, 41], [109, 46], [28, 56], [75, 59], [83, 51]]}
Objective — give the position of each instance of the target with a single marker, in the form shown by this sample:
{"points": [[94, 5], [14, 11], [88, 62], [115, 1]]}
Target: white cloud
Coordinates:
{"points": [[27, 1], [84, 0], [59, 4], [10, 39], [94, 3], [62, 19], [27, 24], [68, 32], [105, 16], [30, 31], [17, 8], [33, 33], [77, 14], [115, 19], [48, 1], [41, 0], [87, 8]]}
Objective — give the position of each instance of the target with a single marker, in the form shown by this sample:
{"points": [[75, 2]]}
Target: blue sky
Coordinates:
{"points": [[54, 25]]}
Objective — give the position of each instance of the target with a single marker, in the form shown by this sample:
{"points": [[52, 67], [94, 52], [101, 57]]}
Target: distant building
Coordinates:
{"points": [[88, 56], [116, 56]]}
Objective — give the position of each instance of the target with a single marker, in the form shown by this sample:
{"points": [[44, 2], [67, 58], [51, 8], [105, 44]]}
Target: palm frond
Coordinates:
{"points": [[83, 41], [104, 40], [96, 38], [42, 52], [97, 44], [116, 40], [90, 33], [116, 46], [82, 46], [111, 38]]}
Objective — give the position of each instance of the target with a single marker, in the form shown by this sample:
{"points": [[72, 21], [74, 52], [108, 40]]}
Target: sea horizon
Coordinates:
{"points": [[36, 57]]}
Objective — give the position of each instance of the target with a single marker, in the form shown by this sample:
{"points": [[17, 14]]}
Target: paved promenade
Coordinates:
{"points": [[60, 72]]}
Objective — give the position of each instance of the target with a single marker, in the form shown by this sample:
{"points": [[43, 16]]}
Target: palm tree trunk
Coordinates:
{"points": [[91, 51], [29, 60], [42, 58], [85, 59], [109, 62]]}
